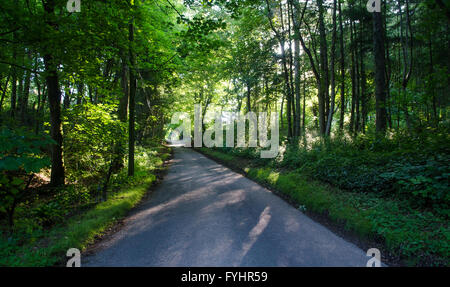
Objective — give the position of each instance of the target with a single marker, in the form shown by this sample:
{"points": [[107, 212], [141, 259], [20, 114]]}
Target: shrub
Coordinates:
{"points": [[93, 136], [21, 155], [416, 169]]}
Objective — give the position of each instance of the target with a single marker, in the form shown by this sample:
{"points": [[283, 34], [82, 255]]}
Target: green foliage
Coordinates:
{"points": [[49, 213], [398, 167], [417, 237], [40, 246], [21, 155], [21, 150], [92, 136]]}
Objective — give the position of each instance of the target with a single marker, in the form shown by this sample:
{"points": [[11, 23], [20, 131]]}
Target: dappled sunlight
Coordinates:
{"points": [[327, 108], [253, 235], [204, 214], [224, 199]]}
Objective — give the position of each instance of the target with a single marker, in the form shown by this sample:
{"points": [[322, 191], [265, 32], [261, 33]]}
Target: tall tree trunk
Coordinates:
{"points": [[54, 97], [281, 111], [358, 80], [304, 108], [4, 91], [342, 62], [380, 83], [14, 78], [363, 92], [315, 70], [353, 78], [40, 101], [433, 96], [285, 68], [131, 135], [286, 74], [333, 84], [388, 72], [324, 99], [297, 86], [407, 58], [123, 102], [26, 90], [249, 108], [13, 87], [80, 91], [289, 14], [67, 95], [297, 79]]}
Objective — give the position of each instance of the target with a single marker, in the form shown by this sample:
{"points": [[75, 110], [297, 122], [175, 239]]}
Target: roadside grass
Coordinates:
{"points": [[409, 236], [49, 247]]}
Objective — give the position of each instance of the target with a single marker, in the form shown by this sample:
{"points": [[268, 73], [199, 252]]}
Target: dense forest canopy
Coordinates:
{"points": [[83, 92]]}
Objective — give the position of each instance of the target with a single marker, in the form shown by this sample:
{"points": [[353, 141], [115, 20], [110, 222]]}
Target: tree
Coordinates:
{"points": [[131, 117], [333, 54], [380, 82], [54, 97]]}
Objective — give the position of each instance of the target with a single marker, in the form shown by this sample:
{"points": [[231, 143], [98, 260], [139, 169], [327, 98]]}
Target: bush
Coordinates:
{"points": [[21, 155], [416, 169], [92, 136], [49, 213]]}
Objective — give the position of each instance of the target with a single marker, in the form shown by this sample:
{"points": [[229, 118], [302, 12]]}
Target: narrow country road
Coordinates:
{"points": [[204, 214]]}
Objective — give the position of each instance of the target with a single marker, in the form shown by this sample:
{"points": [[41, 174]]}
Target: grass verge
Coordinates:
{"points": [[49, 247], [404, 235]]}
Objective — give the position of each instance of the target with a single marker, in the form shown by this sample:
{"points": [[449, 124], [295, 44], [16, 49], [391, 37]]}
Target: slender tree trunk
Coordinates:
{"points": [[14, 85], [342, 62], [304, 107], [39, 104], [314, 67], [54, 97], [123, 102], [333, 84], [14, 78], [4, 91], [289, 14], [25, 93], [67, 95], [407, 59], [131, 136], [285, 68], [286, 77], [433, 96], [21, 78], [388, 72], [363, 93], [249, 108], [380, 83], [281, 111], [358, 81], [80, 92], [297, 87], [297, 78], [353, 78], [324, 100]]}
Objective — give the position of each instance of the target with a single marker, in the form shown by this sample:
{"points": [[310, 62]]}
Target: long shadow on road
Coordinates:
{"points": [[204, 214]]}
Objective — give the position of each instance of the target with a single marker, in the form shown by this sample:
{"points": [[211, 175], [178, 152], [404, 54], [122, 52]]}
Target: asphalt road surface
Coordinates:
{"points": [[204, 214]]}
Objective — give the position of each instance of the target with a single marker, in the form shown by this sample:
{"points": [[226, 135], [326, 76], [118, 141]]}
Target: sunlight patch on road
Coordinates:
{"points": [[256, 231]]}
